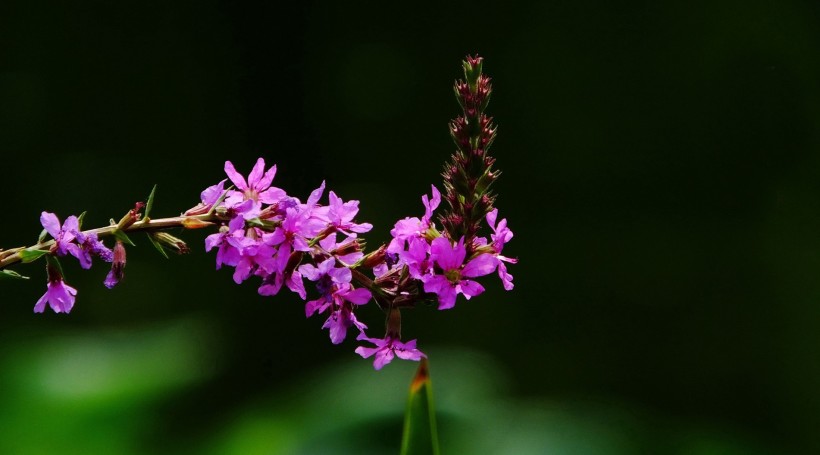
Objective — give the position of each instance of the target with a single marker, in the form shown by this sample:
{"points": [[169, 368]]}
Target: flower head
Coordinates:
{"points": [[451, 282], [117, 266], [59, 295], [63, 236], [387, 348]]}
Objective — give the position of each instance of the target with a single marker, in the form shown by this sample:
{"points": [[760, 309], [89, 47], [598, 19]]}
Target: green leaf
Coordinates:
{"points": [[123, 237], [157, 245], [220, 200], [150, 204], [420, 435], [80, 220], [31, 255], [11, 275]]}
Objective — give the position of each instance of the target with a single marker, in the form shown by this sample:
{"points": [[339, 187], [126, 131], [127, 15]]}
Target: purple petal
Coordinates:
{"points": [[272, 195], [359, 296], [340, 274], [210, 195], [256, 174], [383, 357], [267, 179], [479, 266], [470, 288], [235, 177], [40, 306], [71, 226], [491, 218], [447, 256], [316, 194], [51, 223]]}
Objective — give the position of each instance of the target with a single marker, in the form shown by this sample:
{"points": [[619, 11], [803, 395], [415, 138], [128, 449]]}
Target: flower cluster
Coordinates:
{"points": [[313, 248], [68, 239]]}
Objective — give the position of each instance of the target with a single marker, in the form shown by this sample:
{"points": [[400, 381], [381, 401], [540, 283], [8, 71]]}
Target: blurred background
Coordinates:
{"points": [[661, 174]]}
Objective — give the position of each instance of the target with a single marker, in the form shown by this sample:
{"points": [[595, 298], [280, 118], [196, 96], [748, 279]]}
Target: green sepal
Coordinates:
{"points": [[123, 237], [150, 204], [420, 435], [220, 200], [80, 221], [157, 245], [11, 275], [256, 222], [31, 254], [42, 236], [52, 260]]}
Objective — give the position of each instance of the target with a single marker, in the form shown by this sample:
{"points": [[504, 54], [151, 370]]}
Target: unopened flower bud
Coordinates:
{"points": [[174, 244], [195, 223], [375, 258], [131, 217], [117, 266]]}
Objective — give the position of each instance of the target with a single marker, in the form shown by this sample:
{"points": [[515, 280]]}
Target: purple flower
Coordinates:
{"points": [[335, 292], [340, 214], [388, 348], [257, 188], [90, 245], [63, 236], [342, 318], [416, 257], [254, 256], [501, 235], [117, 266], [451, 282], [414, 227], [59, 295]]}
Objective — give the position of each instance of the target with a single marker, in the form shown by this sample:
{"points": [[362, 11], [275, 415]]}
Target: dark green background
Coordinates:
{"points": [[660, 171]]}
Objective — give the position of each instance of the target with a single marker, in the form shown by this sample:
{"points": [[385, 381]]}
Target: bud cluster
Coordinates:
{"points": [[469, 174]]}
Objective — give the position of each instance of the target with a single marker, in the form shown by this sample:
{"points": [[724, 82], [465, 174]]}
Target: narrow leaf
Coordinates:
{"points": [[420, 435], [123, 237], [31, 255], [150, 204], [11, 275], [80, 220], [157, 245]]}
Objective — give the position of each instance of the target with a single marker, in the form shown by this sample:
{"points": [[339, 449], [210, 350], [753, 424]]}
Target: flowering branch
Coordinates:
{"points": [[264, 232]]}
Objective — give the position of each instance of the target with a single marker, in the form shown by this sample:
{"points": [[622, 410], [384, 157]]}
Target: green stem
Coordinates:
{"points": [[147, 225]]}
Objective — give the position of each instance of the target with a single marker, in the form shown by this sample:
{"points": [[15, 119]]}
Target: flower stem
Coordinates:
{"points": [[148, 225]]}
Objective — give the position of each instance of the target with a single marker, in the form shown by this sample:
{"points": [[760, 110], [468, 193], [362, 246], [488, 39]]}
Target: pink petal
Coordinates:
{"points": [[256, 174], [51, 223], [235, 177]]}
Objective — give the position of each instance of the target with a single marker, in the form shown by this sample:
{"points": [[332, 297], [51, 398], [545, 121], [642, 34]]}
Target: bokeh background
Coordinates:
{"points": [[661, 173]]}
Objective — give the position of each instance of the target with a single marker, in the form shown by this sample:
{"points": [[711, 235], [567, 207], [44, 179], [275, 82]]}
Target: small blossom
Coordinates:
{"points": [[117, 267], [63, 236], [451, 283], [414, 227], [90, 245], [257, 188], [59, 295], [388, 348], [340, 215], [501, 235]]}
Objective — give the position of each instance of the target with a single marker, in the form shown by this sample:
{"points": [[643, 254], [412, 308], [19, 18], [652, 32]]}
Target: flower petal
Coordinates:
{"points": [[235, 177]]}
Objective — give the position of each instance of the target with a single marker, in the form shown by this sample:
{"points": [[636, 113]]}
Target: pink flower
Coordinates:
{"points": [[388, 348], [59, 295], [450, 282], [501, 235], [257, 188], [63, 236]]}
